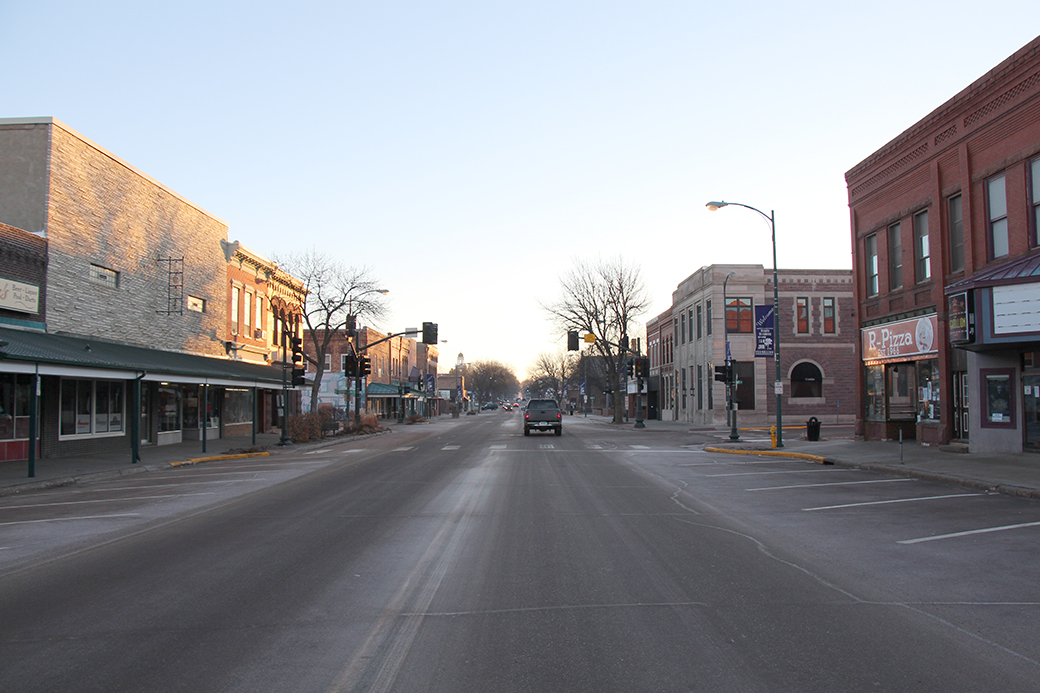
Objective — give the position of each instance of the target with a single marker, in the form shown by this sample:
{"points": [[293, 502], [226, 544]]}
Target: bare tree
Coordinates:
{"points": [[603, 298], [491, 380], [552, 372], [336, 297]]}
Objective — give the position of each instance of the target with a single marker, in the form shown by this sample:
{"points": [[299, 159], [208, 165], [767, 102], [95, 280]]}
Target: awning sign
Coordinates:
{"points": [[900, 340]]}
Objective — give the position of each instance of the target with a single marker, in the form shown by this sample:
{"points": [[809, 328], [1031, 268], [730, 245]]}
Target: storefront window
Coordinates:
{"points": [[14, 405], [90, 407], [997, 398], [169, 409], [875, 393], [901, 393], [928, 390], [238, 406]]}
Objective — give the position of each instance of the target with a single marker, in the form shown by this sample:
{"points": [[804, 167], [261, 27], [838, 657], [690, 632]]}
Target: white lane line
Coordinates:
{"points": [[107, 500], [639, 447], [594, 447], [836, 483], [403, 449], [451, 447], [70, 519], [786, 471], [317, 452], [498, 447], [969, 533], [897, 500]]}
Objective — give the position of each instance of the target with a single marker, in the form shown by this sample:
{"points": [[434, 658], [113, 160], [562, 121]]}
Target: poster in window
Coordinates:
{"points": [[962, 318], [998, 398]]}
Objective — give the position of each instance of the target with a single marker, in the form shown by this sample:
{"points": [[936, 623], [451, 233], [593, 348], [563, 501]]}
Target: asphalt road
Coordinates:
{"points": [[462, 556]]}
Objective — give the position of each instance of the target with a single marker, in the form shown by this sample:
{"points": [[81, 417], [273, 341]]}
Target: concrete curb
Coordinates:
{"points": [[773, 453]]}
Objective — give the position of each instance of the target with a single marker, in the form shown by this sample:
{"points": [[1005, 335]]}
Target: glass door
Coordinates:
{"points": [[960, 405]]}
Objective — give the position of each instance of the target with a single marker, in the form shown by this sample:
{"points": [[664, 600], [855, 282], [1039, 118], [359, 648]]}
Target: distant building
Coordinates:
{"points": [[817, 338]]}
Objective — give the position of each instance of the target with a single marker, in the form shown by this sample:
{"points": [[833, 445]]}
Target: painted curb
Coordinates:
{"points": [[773, 453], [214, 458]]}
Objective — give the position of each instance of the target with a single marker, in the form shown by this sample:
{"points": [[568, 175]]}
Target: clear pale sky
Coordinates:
{"points": [[468, 152]]}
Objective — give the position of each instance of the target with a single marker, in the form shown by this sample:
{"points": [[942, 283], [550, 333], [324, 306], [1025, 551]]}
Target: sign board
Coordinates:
{"points": [[901, 340], [764, 331], [431, 382], [24, 298], [962, 317], [1016, 309]]}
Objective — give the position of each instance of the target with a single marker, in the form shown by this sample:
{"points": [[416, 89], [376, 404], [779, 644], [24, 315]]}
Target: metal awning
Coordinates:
{"points": [[384, 391], [1023, 270], [24, 351]]}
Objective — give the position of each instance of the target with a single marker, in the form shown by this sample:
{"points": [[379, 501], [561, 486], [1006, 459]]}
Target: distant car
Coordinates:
{"points": [[543, 415]]}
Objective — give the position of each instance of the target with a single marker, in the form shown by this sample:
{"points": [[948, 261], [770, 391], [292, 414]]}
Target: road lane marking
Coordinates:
{"points": [[897, 500], [969, 533], [70, 519], [498, 447], [403, 449], [836, 483], [594, 447], [546, 446], [106, 500], [639, 447], [451, 447]]}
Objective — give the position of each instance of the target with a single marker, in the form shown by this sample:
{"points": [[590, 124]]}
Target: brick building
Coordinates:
{"points": [[128, 336], [817, 345], [660, 349], [945, 241]]}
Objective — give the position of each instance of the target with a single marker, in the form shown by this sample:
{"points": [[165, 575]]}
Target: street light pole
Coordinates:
{"points": [[778, 385]]}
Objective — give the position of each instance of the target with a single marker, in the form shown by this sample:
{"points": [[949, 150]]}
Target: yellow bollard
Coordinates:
{"points": [[772, 435]]}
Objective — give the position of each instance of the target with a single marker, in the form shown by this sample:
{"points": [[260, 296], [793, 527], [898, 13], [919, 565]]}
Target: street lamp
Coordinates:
{"points": [[731, 411], [779, 384]]}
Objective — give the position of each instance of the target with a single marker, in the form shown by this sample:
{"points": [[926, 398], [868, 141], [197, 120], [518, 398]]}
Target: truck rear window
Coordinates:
{"points": [[543, 404]]}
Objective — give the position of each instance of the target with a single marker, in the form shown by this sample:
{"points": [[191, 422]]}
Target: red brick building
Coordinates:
{"points": [[944, 233]]}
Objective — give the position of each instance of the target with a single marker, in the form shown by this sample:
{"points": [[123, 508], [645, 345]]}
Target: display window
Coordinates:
{"points": [[997, 395], [928, 390], [91, 407]]}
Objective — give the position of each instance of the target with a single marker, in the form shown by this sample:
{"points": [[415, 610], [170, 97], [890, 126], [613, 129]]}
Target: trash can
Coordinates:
{"points": [[812, 428]]}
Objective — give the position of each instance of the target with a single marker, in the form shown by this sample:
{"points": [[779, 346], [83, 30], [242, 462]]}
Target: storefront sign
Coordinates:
{"points": [[764, 331], [962, 317], [1016, 309], [24, 298], [900, 340]]}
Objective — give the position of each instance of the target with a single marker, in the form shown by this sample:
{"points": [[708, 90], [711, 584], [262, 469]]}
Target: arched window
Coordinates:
{"points": [[806, 380]]}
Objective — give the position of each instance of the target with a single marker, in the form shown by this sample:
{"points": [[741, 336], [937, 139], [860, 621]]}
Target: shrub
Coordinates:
{"points": [[304, 428]]}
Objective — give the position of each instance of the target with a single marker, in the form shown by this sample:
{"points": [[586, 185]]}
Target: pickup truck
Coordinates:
{"points": [[543, 415]]}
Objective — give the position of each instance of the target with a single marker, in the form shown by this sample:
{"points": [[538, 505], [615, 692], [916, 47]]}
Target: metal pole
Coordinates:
{"points": [[779, 384], [204, 412], [731, 410], [34, 384], [255, 414], [285, 439]]}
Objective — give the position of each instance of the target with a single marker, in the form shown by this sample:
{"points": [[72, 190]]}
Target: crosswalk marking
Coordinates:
{"points": [[498, 447], [640, 447], [450, 447], [548, 446], [404, 449], [594, 447]]}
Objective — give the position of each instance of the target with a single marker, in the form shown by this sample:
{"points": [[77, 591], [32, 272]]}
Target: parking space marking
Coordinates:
{"points": [[836, 483], [969, 533], [70, 519], [896, 500]]}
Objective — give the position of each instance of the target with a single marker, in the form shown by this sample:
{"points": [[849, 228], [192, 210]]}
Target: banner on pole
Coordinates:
{"points": [[764, 331]]}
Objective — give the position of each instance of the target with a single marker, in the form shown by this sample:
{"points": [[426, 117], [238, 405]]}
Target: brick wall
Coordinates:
{"points": [[101, 211]]}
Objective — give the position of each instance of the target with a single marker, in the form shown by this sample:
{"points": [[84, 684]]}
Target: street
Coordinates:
{"points": [[463, 556]]}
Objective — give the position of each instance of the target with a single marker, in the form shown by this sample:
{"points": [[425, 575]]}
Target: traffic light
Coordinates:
{"points": [[296, 344], [722, 373], [630, 368], [364, 366], [429, 333], [572, 340], [298, 377], [642, 367], [350, 365]]}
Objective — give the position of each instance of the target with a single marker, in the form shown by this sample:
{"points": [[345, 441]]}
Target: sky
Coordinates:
{"points": [[469, 153]]}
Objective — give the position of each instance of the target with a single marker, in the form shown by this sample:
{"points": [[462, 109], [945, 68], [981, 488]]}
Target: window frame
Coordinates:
{"points": [[801, 315], [742, 312], [871, 269], [104, 276], [830, 303], [922, 248], [1033, 175], [997, 217], [895, 256], [955, 229]]}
